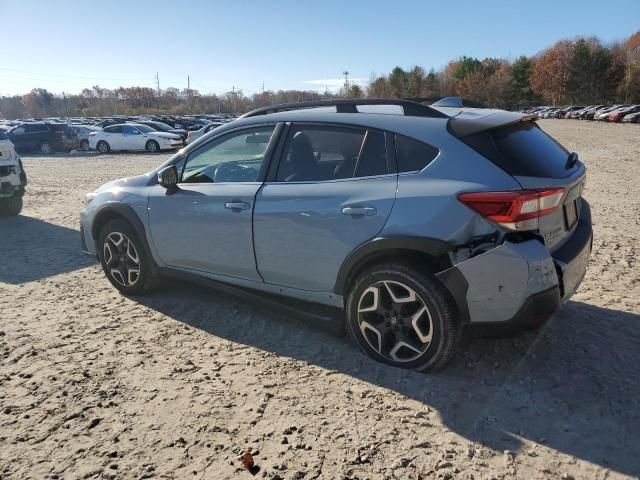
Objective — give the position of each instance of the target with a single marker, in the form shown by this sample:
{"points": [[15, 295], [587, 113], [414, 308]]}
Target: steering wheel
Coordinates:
{"points": [[232, 172]]}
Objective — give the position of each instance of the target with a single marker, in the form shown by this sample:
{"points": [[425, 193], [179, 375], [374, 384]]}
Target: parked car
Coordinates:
{"points": [[43, 137], [83, 132], [107, 122], [562, 113], [13, 178], [631, 118], [618, 115], [163, 127], [194, 135], [412, 225], [582, 114], [604, 113], [132, 136]]}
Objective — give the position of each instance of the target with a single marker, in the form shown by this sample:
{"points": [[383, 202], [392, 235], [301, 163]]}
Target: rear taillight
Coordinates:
{"points": [[92, 134], [515, 210]]}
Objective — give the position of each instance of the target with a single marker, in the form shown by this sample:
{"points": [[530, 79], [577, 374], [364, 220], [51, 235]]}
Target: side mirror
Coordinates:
{"points": [[168, 177]]}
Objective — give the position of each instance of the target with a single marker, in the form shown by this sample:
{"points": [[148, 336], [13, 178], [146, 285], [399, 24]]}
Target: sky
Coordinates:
{"points": [[67, 45]]}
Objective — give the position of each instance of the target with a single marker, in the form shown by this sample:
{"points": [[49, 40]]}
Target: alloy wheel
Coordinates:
{"points": [[395, 321], [46, 147], [121, 259]]}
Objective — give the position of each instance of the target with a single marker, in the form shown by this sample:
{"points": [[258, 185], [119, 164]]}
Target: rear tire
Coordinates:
{"points": [[152, 146], [46, 148], [103, 147], [11, 206], [403, 317], [124, 258], [84, 145]]}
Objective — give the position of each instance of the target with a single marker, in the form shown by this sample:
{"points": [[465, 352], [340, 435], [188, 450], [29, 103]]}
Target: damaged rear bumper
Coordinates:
{"points": [[520, 283]]}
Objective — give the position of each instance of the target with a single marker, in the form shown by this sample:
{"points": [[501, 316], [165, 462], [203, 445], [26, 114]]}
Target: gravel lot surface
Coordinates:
{"points": [[179, 383]]}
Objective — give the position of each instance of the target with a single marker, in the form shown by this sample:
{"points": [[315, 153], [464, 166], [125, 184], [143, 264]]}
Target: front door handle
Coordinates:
{"points": [[237, 205], [359, 211]]}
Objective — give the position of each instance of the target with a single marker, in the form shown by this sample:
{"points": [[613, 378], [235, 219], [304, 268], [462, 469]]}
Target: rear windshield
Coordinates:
{"points": [[522, 149]]}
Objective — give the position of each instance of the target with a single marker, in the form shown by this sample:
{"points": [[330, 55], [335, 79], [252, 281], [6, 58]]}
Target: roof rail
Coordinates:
{"points": [[409, 108], [457, 102]]}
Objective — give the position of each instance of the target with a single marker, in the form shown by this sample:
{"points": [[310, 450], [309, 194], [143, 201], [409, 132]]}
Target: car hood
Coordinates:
{"points": [[137, 181]]}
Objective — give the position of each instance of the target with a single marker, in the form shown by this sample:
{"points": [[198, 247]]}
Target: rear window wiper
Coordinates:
{"points": [[572, 159]]}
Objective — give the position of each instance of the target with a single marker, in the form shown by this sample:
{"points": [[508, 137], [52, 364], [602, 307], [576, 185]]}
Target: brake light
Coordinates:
{"points": [[515, 210], [92, 134]]}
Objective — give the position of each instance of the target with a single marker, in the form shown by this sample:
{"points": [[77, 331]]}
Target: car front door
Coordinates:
{"points": [[206, 223], [333, 190], [19, 138]]}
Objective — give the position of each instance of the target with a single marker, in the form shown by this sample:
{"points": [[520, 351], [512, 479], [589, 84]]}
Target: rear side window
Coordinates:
{"points": [[373, 157], [319, 153], [116, 129], [522, 149], [413, 155]]}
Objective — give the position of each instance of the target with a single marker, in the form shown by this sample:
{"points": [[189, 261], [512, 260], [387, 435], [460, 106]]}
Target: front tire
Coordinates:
{"points": [[403, 317], [11, 206], [46, 147], [152, 146], [103, 147], [124, 258]]}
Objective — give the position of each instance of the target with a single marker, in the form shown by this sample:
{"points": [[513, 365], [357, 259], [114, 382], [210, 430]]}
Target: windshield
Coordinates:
{"points": [[3, 136]]}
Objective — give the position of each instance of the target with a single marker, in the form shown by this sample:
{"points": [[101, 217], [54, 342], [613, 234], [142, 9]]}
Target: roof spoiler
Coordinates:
{"points": [[457, 102], [472, 121]]}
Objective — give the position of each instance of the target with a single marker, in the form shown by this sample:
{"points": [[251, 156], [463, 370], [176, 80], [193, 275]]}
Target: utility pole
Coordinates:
{"points": [[158, 84], [189, 95], [66, 112]]}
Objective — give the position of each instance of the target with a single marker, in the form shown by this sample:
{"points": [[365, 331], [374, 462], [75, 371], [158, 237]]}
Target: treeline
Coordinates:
{"points": [[580, 71]]}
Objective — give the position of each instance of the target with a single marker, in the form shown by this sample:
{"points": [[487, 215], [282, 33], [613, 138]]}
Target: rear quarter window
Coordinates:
{"points": [[522, 149], [413, 155]]}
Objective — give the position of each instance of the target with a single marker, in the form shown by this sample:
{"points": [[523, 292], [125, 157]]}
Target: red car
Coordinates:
{"points": [[617, 115]]}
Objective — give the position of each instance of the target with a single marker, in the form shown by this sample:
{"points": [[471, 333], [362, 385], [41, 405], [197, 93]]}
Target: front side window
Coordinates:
{"points": [[236, 157], [36, 128], [319, 153]]}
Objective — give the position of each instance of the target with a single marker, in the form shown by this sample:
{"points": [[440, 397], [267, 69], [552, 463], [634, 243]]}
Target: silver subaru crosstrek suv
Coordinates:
{"points": [[411, 221]]}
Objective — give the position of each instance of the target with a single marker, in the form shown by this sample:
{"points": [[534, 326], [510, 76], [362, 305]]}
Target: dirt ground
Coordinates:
{"points": [[178, 384]]}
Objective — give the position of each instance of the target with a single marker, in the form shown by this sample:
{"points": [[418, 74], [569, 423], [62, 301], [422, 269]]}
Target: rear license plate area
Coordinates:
{"points": [[570, 214]]}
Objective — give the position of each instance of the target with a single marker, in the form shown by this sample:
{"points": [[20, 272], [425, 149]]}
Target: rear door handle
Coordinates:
{"points": [[237, 205], [359, 211]]}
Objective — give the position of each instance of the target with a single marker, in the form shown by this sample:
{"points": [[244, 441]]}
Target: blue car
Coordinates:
{"points": [[411, 221]]}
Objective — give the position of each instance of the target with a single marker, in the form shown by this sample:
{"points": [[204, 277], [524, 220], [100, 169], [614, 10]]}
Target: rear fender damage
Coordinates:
{"points": [[492, 286]]}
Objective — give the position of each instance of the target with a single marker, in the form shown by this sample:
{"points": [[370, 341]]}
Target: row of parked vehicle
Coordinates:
{"points": [[625, 113], [152, 133]]}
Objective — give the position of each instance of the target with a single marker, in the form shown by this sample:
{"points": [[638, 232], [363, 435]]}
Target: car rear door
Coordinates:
{"points": [[132, 138], [333, 189], [113, 136], [206, 224]]}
